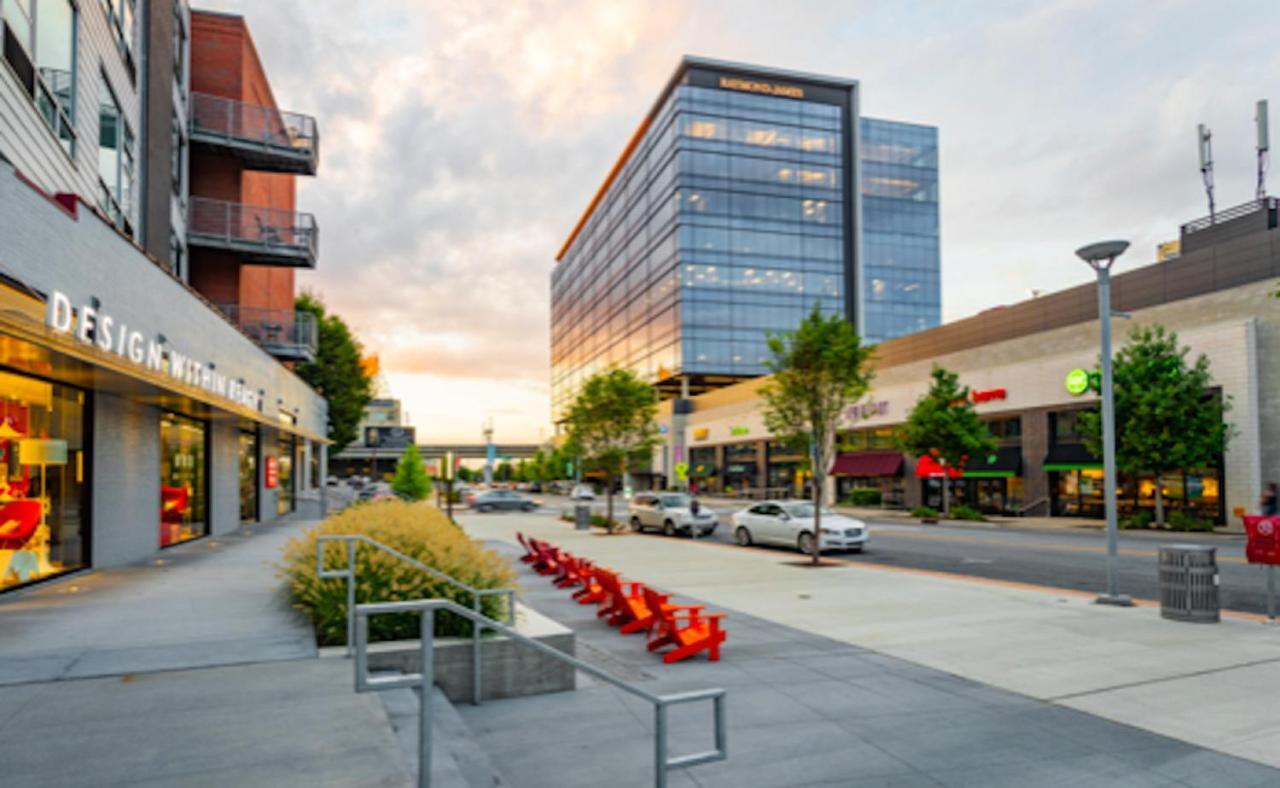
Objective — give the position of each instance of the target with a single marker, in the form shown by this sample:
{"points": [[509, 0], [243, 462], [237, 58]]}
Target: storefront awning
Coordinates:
{"points": [[703, 470], [868, 463], [929, 468], [1070, 457], [1005, 461]]}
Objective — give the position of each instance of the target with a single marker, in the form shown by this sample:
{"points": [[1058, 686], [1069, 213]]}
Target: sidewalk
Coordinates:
{"points": [[191, 670], [1196, 683]]}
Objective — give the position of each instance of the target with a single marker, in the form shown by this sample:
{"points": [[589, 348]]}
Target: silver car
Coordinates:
{"points": [[790, 524], [670, 513]]}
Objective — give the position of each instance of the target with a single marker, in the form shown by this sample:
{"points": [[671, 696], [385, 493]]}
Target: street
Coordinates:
{"points": [[1072, 559]]}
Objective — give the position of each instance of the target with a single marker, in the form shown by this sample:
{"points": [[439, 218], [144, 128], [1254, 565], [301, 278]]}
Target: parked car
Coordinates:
{"points": [[332, 481], [583, 492], [378, 491], [790, 524], [493, 500], [670, 513]]}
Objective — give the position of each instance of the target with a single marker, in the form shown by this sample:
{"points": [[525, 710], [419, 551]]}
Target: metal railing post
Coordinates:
{"points": [[660, 745], [475, 651], [427, 639], [351, 593]]}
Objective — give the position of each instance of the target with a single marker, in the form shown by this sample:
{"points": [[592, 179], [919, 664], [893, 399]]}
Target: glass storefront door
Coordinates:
{"points": [[248, 476], [285, 501], [43, 486], [184, 479]]}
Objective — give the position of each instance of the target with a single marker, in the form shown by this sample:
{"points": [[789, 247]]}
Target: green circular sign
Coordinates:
{"points": [[1077, 382]]}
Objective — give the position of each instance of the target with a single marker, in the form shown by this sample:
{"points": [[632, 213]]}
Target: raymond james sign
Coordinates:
{"points": [[867, 410], [98, 329]]}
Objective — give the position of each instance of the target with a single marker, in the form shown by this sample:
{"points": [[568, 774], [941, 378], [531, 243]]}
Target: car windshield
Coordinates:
{"points": [[675, 501], [804, 510]]}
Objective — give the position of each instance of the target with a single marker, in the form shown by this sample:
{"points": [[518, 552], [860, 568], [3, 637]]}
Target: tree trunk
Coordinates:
{"points": [[608, 506], [817, 518], [1159, 503]]}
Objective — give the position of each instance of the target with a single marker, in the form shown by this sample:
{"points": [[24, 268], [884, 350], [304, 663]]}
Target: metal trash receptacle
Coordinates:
{"points": [[582, 517], [1189, 583]]}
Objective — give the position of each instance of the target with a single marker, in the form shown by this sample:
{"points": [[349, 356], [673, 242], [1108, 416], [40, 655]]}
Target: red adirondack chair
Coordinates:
{"points": [[690, 631], [530, 554], [623, 603], [566, 571], [548, 560], [591, 591], [657, 603]]}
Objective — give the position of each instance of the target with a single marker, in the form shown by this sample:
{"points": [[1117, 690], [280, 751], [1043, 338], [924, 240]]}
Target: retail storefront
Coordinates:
{"points": [[133, 416]]}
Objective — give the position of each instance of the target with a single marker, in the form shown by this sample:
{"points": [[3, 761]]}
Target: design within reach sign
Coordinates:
{"points": [[98, 329]]}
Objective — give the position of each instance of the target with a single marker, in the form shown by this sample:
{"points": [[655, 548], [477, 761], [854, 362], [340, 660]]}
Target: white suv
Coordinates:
{"points": [[671, 513]]}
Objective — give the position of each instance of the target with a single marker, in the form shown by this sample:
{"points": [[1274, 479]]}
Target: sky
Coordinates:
{"points": [[461, 140]]}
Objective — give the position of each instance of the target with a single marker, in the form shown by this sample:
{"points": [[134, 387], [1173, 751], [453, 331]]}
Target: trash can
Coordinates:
{"points": [[1189, 583], [582, 517]]}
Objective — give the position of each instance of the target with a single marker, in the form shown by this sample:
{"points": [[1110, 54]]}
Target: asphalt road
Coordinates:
{"points": [[1059, 558]]}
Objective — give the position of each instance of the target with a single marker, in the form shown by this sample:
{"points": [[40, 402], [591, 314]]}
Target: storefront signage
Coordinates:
{"points": [[757, 86], [97, 329], [738, 431], [988, 395], [270, 472], [1081, 381], [701, 433], [867, 410]]}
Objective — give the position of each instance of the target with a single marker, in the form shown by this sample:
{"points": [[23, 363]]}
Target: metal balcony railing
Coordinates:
{"points": [[267, 236], [1227, 214], [287, 334], [266, 138]]}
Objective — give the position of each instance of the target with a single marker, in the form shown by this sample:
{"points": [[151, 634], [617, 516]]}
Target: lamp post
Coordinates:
{"points": [[1100, 257]]}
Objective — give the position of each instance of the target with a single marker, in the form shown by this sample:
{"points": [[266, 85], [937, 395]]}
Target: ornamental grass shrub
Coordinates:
{"points": [[962, 512], [415, 529]]}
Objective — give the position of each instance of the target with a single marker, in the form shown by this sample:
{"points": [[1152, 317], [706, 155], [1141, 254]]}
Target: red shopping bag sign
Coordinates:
{"points": [[1263, 546]]}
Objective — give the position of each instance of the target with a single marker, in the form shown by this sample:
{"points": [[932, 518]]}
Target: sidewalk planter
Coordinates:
{"points": [[508, 670]]}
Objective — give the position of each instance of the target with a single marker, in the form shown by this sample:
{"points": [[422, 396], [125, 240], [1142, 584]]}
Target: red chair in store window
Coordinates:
{"points": [[173, 502], [18, 522]]}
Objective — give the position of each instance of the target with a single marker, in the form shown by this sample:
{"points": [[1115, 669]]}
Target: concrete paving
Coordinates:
{"points": [[1196, 683]]}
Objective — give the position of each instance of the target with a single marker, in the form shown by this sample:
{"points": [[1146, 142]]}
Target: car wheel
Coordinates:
{"points": [[668, 528], [636, 526], [857, 549], [743, 536], [528, 507], [806, 543], [484, 508]]}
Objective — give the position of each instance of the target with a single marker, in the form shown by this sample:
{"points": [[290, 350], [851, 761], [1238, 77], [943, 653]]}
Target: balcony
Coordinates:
{"points": [[261, 235], [287, 334], [264, 138]]}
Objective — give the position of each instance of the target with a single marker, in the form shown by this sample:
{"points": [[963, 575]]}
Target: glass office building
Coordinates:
{"points": [[729, 215]]}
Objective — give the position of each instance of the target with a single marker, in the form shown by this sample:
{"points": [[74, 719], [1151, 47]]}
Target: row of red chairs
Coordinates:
{"points": [[633, 607]]}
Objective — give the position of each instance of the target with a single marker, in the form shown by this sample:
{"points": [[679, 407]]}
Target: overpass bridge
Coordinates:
{"points": [[356, 456]]}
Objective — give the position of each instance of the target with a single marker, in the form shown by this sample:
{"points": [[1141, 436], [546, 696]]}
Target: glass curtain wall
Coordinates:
{"points": [[248, 476], [184, 481], [43, 485], [285, 491]]}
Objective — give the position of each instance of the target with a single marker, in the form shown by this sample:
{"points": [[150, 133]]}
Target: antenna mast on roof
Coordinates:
{"points": [[1203, 137], [1264, 147]]}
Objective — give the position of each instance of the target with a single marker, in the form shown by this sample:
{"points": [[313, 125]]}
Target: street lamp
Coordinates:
{"points": [[1100, 257]]}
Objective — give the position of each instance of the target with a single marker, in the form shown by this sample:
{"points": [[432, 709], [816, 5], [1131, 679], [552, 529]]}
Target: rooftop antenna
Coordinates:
{"points": [[1264, 148], [1203, 141]]}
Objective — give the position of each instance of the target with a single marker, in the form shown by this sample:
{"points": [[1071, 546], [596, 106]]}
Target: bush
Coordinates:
{"points": [[419, 531], [1181, 521], [925, 512], [962, 512], [1137, 521], [411, 481], [864, 496]]}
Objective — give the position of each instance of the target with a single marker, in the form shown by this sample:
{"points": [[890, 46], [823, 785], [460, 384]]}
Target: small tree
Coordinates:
{"points": [[818, 371], [1166, 417], [337, 373], [944, 425], [411, 480], [612, 423]]}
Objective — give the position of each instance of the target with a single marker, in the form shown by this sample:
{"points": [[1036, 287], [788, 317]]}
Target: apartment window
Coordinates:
{"points": [[115, 159], [39, 45], [120, 18]]}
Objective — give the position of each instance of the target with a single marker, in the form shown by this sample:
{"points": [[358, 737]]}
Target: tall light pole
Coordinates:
{"points": [[1100, 257]]}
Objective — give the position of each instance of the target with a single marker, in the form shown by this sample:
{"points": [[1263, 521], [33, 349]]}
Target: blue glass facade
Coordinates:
{"points": [[728, 218], [901, 268]]}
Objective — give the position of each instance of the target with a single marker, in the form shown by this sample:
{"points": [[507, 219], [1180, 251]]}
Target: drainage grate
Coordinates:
{"points": [[605, 661]]}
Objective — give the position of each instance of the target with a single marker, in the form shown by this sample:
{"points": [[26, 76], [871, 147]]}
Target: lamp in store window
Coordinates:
{"points": [[42, 452]]}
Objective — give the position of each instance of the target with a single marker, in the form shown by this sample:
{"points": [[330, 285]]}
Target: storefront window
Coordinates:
{"points": [[184, 488], [1080, 493], [740, 472], [43, 528], [248, 476], [285, 502]]}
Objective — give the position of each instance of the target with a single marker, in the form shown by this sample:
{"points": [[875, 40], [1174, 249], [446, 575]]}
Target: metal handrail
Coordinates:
{"points": [[1234, 212], [349, 573], [425, 680], [268, 127], [274, 327]]}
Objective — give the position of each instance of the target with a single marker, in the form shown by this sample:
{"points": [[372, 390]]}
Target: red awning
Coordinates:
{"points": [[868, 463], [928, 468]]}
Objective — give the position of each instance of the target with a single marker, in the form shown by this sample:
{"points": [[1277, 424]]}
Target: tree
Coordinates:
{"points": [[505, 472], [944, 425], [1166, 417], [818, 371], [336, 374], [411, 480], [611, 424]]}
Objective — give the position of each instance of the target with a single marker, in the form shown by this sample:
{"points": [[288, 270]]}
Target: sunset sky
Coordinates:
{"points": [[460, 141]]}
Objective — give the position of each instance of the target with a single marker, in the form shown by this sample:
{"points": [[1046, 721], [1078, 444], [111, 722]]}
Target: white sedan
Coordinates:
{"points": [[790, 524]]}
